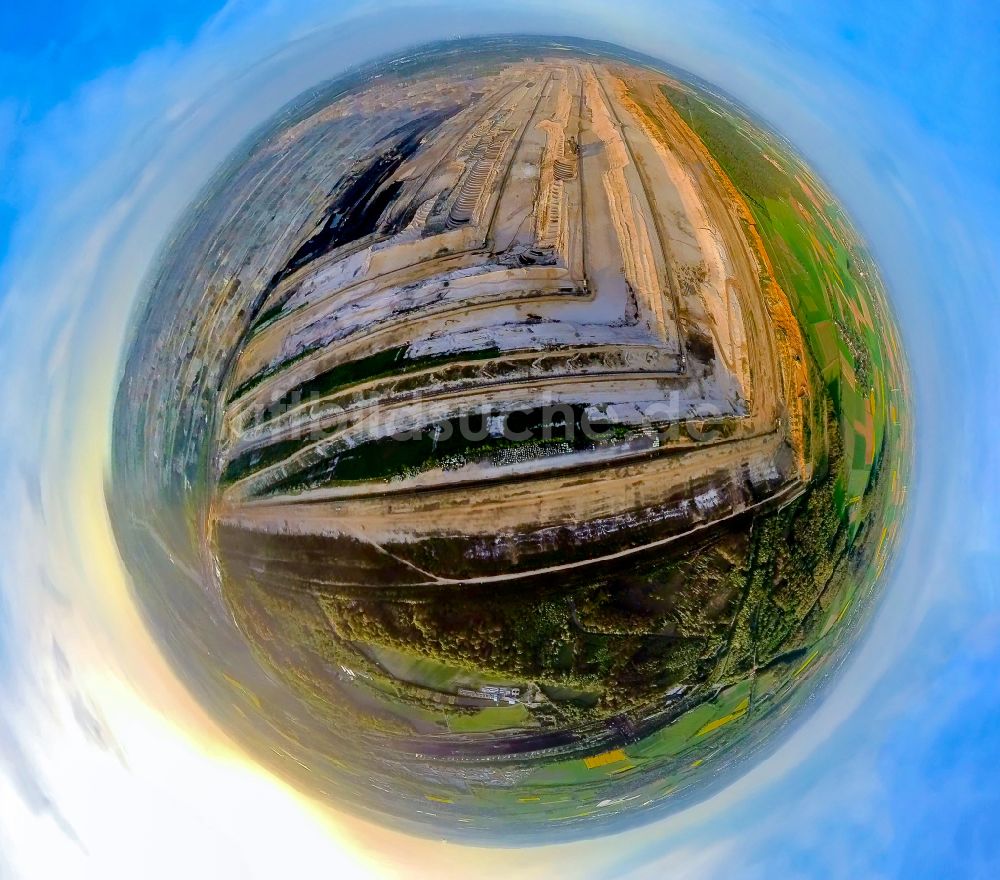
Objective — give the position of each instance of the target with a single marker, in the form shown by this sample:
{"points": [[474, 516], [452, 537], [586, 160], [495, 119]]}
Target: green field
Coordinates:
{"points": [[829, 278]]}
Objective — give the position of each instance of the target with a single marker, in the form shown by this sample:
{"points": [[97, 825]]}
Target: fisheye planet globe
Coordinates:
{"points": [[512, 440]]}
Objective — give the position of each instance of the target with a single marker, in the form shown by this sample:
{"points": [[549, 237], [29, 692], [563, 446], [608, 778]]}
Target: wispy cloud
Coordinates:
{"points": [[891, 776]]}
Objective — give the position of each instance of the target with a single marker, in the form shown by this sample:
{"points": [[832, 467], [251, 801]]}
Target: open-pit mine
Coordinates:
{"points": [[512, 439]]}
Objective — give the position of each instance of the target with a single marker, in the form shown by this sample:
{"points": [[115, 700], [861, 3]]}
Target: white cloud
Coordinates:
{"points": [[88, 754]]}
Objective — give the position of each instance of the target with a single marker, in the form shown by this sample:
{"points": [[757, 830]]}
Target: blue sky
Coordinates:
{"points": [[111, 117], [48, 50]]}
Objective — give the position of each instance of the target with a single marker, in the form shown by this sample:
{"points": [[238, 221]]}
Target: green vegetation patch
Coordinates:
{"points": [[452, 443], [822, 267], [390, 362], [491, 718]]}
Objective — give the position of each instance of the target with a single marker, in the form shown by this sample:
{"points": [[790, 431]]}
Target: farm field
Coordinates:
{"points": [[544, 466]]}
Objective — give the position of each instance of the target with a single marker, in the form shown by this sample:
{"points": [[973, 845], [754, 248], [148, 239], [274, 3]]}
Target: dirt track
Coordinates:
{"points": [[641, 238]]}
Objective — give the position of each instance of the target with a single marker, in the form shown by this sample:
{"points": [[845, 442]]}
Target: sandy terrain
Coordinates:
{"points": [[568, 221]]}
